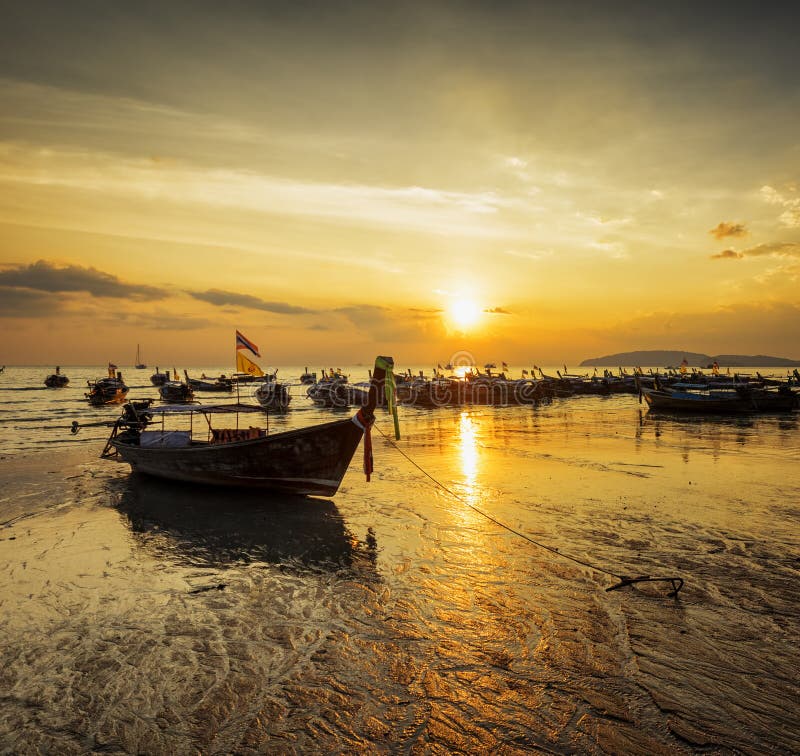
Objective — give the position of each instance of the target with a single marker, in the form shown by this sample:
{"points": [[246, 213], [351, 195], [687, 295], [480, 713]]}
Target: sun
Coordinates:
{"points": [[463, 313]]}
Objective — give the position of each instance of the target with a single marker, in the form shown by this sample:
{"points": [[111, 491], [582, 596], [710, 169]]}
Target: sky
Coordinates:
{"points": [[538, 183]]}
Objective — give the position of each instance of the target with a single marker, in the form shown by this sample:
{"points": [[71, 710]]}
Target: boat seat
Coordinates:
{"points": [[230, 435], [164, 439]]}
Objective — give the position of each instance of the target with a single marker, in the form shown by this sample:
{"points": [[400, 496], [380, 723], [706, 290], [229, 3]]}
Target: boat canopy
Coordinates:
{"points": [[205, 409]]}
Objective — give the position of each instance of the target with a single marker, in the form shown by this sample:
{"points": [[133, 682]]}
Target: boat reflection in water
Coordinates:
{"points": [[214, 527]]}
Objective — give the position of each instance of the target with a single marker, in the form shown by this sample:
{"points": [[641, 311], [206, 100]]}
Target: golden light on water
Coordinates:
{"points": [[468, 454], [461, 370]]}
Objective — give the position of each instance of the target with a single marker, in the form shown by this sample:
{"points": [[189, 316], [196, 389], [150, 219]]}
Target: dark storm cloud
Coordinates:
{"points": [[724, 230], [24, 303], [221, 298], [45, 276], [60, 44]]}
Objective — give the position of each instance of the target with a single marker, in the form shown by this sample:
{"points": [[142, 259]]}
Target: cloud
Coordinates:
{"points": [[791, 217], [160, 320], [497, 311], [45, 276], [529, 255], [221, 298], [406, 208], [723, 230], [425, 312], [24, 303], [383, 324], [770, 249]]}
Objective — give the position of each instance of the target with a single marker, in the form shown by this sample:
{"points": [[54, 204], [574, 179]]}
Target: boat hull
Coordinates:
{"points": [[199, 385], [106, 391], [745, 401], [175, 392], [309, 461]]}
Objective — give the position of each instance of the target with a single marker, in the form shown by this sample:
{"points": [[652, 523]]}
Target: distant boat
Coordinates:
{"points": [[218, 384], [272, 394], [56, 380], [334, 390], [311, 460], [743, 398], [176, 391], [307, 378], [111, 390], [158, 378], [139, 364]]}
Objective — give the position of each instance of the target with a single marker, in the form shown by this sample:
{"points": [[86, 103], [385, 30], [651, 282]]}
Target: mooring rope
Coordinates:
{"points": [[676, 582]]}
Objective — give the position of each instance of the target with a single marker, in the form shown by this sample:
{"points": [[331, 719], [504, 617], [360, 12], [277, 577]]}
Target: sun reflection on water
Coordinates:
{"points": [[469, 457], [461, 371]]}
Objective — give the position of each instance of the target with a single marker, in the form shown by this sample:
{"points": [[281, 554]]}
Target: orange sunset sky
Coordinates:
{"points": [[532, 182]]}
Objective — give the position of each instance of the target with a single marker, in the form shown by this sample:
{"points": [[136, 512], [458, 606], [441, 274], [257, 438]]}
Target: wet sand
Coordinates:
{"points": [[140, 616]]}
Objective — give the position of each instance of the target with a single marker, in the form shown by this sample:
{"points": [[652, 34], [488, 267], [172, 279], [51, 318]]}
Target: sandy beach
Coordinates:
{"points": [[146, 617]]}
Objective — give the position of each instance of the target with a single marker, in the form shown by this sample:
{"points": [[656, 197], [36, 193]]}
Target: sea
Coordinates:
{"points": [[458, 602]]}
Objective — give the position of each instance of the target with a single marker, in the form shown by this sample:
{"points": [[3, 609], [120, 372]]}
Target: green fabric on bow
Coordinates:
{"points": [[391, 402]]}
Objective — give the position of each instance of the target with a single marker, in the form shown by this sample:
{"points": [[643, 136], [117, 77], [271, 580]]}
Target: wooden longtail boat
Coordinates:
{"points": [[218, 384], [111, 390], [742, 399], [309, 460], [158, 378], [334, 390], [56, 380], [176, 392], [273, 395], [308, 378], [688, 401]]}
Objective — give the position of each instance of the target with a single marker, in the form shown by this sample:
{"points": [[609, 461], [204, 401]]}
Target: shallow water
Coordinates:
{"points": [[142, 616]]}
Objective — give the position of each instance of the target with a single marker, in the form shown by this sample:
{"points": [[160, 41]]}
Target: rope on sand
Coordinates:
{"points": [[624, 580]]}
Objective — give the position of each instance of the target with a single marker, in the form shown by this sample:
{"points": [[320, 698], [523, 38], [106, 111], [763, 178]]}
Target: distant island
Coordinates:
{"points": [[667, 358]]}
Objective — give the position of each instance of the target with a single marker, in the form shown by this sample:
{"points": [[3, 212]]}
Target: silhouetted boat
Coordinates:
{"points": [[158, 378], [309, 460], [139, 365], [743, 398], [111, 390], [218, 384], [334, 390], [308, 378], [176, 391], [274, 395], [56, 380]]}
